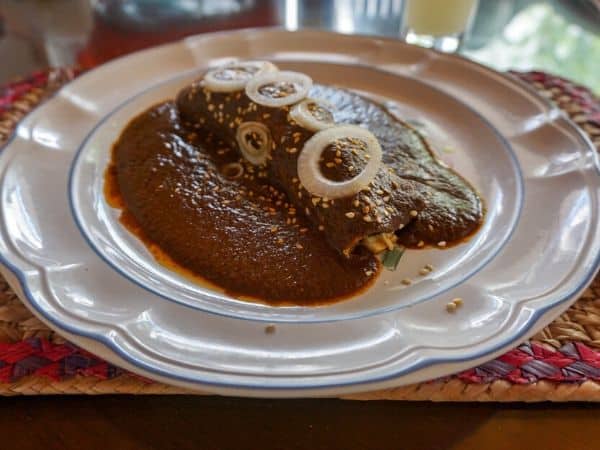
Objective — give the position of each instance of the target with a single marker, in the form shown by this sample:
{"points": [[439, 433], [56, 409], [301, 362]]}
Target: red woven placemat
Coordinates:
{"points": [[560, 363]]}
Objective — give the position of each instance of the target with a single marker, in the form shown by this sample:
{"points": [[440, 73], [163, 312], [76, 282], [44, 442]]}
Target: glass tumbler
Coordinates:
{"points": [[440, 24]]}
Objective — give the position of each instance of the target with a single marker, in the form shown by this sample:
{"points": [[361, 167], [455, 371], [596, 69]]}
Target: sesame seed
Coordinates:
{"points": [[266, 115], [299, 246], [307, 211], [367, 219], [420, 244], [329, 164], [350, 215], [414, 213], [378, 219], [394, 185], [211, 107], [430, 227], [324, 205], [369, 273], [303, 230], [441, 244], [338, 153], [366, 209], [269, 329], [274, 228], [386, 198], [350, 168], [458, 302], [292, 150], [406, 281], [424, 272], [337, 160], [379, 192], [321, 227], [356, 203], [429, 267], [451, 307], [280, 241]]}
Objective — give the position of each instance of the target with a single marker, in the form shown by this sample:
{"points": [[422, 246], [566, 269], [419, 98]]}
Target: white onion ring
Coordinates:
{"points": [[256, 156], [309, 172], [301, 82], [301, 114], [233, 170], [249, 69]]}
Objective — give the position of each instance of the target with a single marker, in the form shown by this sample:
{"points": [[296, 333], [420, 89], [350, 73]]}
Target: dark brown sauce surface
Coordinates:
{"points": [[413, 195], [449, 209], [172, 177], [229, 232]]}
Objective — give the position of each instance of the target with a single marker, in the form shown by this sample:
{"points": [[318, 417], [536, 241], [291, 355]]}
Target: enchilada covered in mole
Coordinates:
{"points": [[281, 191]]}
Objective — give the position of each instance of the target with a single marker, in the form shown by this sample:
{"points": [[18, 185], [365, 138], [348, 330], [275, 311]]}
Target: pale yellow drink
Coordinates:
{"points": [[438, 17]]}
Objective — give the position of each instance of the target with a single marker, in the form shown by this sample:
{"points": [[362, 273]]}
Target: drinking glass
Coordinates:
{"points": [[440, 24]]}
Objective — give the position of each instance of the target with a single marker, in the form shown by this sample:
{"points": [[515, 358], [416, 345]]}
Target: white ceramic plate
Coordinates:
{"points": [[82, 273]]}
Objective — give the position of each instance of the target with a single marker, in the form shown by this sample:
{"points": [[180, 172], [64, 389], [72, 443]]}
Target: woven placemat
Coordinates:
{"points": [[561, 363]]}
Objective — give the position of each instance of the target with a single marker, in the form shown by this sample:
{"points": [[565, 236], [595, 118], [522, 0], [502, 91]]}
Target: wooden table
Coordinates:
{"points": [[89, 37], [182, 422]]}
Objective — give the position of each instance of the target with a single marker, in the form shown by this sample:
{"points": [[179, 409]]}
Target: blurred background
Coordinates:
{"points": [[559, 36]]}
